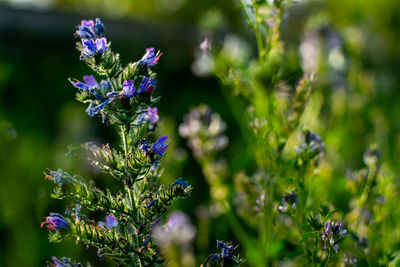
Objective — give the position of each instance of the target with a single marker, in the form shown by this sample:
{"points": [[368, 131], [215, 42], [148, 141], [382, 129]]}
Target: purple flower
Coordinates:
{"points": [[150, 59], [94, 46], [90, 47], [85, 30], [64, 262], [90, 85], [111, 221], [101, 45], [89, 82], [151, 116], [55, 222], [58, 263], [89, 30], [159, 147], [181, 182], [332, 234], [128, 89], [147, 85]]}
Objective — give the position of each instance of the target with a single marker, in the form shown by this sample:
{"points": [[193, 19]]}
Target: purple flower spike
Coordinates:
{"points": [[159, 147], [150, 59], [55, 222], [111, 221], [101, 45], [128, 89]]}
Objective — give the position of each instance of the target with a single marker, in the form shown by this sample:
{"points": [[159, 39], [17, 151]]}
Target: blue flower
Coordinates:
{"points": [[111, 221], [101, 45], [60, 177], [90, 47], [90, 85], [90, 30], [159, 147], [226, 249], [181, 182], [150, 59], [98, 28], [94, 46], [55, 222], [144, 146], [85, 30], [147, 85], [128, 89]]}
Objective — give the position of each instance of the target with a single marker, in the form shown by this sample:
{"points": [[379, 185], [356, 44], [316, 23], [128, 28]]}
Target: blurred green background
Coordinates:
{"points": [[39, 117]]}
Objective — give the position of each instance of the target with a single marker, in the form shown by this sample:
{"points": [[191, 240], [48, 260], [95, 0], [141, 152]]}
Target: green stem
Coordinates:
{"points": [[125, 132], [260, 45], [366, 191], [328, 259], [315, 250]]}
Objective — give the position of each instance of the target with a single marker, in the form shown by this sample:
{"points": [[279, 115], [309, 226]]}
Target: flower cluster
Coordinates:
{"points": [[124, 97], [333, 233]]}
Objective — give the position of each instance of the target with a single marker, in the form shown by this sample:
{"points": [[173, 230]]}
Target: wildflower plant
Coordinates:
{"points": [[122, 97], [273, 212], [290, 202]]}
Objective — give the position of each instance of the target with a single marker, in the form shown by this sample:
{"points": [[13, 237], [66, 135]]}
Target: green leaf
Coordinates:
{"points": [[249, 11], [329, 215]]}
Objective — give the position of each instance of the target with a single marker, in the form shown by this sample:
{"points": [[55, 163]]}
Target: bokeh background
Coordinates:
{"points": [[39, 118]]}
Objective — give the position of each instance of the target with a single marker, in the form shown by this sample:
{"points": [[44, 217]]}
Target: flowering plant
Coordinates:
{"points": [[123, 98]]}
